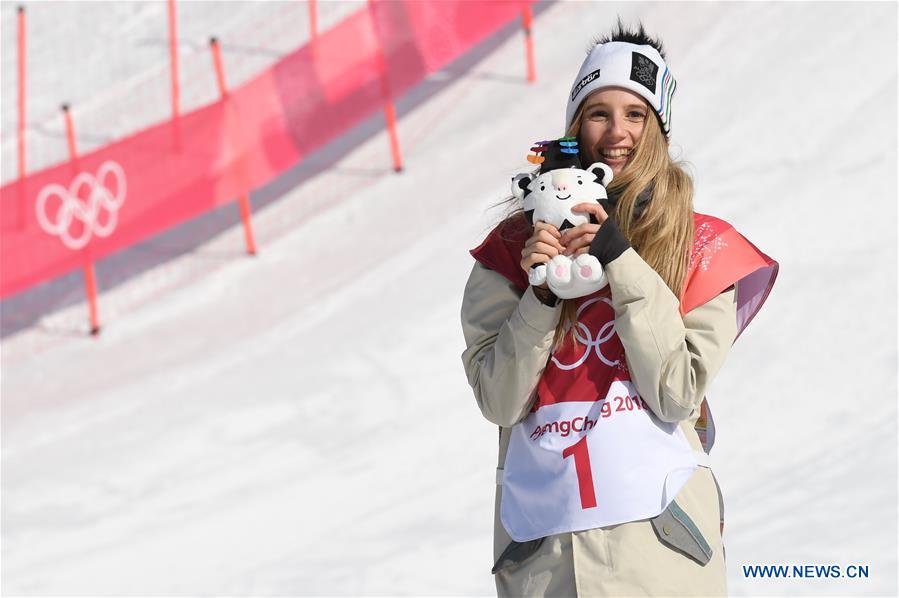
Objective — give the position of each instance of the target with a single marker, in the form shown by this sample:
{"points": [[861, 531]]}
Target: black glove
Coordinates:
{"points": [[608, 243]]}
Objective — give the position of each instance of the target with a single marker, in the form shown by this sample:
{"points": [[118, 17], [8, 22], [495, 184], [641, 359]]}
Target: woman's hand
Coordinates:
{"points": [[541, 247], [577, 240]]}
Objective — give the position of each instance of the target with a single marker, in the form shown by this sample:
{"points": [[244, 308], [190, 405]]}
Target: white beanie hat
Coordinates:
{"points": [[637, 68]]}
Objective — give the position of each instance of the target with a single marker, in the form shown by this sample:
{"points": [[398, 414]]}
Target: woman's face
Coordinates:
{"points": [[611, 124]]}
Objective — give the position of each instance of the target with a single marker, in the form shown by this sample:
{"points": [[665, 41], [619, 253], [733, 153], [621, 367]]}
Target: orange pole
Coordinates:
{"points": [[245, 214], [390, 115], [90, 279], [20, 219], [90, 283], [313, 20], [389, 111], [21, 61], [219, 67], [70, 132], [244, 199], [173, 52], [529, 43]]}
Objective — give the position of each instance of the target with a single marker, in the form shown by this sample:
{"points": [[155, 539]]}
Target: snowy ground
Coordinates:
{"points": [[300, 424]]}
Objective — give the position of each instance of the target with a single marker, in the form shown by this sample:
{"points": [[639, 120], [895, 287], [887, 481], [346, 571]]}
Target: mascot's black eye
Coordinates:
{"points": [[542, 188], [580, 182]]}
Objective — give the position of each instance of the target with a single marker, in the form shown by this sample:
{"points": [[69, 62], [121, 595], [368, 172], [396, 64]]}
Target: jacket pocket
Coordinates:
{"points": [[675, 529], [516, 553]]}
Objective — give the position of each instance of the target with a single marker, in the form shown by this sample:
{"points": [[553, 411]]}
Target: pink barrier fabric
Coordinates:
{"points": [[58, 219]]}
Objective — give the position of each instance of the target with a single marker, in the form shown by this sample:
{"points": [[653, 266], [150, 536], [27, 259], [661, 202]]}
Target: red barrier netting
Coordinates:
{"points": [[66, 216]]}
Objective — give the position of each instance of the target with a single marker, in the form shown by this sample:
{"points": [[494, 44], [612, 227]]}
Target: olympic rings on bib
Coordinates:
{"points": [[606, 332]]}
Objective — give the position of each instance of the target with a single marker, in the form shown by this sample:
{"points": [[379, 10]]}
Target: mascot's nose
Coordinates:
{"points": [[561, 180]]}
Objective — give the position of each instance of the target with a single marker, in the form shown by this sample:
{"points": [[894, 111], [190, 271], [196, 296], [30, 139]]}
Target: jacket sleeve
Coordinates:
{"points": [[672, 359], [508, 338]]}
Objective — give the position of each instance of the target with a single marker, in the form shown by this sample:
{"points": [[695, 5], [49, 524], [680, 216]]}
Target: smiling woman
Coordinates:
{"points": [[628, 504], [616, 125], [611, 122]]}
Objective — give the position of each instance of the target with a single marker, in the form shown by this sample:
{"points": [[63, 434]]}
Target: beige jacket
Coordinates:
{"points": [[671, 361]]}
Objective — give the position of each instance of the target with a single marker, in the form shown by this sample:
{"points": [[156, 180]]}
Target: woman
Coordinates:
{"points": [[603, 481]]}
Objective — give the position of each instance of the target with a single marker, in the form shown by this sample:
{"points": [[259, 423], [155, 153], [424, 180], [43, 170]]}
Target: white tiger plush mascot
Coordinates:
{"points": [[548, 196]]}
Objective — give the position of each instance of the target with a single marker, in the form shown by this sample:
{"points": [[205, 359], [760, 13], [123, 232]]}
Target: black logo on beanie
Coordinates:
{"points": [[577, 88], [644, 71]]}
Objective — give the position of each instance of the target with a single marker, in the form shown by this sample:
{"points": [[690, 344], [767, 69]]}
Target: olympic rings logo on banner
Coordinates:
{"points": [[604, 334], [72, 207]]}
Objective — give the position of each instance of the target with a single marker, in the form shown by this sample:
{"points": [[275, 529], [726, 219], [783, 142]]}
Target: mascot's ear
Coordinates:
{"points": [[520, 184], [603, 173]]}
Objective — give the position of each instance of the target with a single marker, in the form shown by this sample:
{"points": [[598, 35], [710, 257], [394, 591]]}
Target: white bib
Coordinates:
{"points": [[580, 465]]}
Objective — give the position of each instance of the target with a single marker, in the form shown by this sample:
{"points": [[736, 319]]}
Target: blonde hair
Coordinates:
{"points": [[663, 234]]}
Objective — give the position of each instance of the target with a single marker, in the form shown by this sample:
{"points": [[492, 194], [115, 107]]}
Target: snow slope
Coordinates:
{"points": [[299, 423]]}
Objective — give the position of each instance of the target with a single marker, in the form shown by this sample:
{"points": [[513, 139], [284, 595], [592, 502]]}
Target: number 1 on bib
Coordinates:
{"points": [[584, 473]]}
